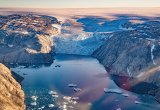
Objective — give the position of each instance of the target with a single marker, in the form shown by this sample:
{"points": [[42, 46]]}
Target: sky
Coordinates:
{"points": [[78, 3]]}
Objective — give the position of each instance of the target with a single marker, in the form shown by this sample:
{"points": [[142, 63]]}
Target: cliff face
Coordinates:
{"points": [[134, 53], [11, 94], [27, 38]]}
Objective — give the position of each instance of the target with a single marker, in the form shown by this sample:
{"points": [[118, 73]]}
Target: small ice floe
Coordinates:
{"points": [[21, 67], [77, 89], [55, 96], [34, 103], [75, 98], [70, 107], [64, 106], [58, 66], [34, 98], [67, 98], [72, 85], [74, 102], [50, 105], [42, 107], [137, 102], [125, 95], [52, 92], [118, 109], [65, 103], [10, 45], [117, 91]]}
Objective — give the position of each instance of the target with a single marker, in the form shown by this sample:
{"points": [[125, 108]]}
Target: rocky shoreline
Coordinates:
{"points": [[27, 38], [134, 54]]}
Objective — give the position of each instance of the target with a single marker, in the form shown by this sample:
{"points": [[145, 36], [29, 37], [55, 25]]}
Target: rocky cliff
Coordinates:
{"points": [[27, 38], [11, 94], [134, 53]]}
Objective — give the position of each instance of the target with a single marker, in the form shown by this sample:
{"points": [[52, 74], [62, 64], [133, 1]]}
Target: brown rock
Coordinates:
{"points": [[11, 94]]}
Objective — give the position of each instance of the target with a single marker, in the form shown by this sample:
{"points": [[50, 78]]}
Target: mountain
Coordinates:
{"points": [[27, 38], [135, 54], [11, 94]]}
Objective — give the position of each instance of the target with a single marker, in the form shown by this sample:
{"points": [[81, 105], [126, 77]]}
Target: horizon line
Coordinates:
{"points": [[70, 8]]}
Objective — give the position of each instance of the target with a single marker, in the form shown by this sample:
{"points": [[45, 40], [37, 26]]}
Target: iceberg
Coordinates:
{"points": [[72, 85], [118, 91]]}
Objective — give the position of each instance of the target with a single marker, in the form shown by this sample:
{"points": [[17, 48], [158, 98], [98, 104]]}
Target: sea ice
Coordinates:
{"points": [[34, 98], [72, 85], [50, 105], [52, 92], [125, 95], [67, 98], [137, 102], [76, 89], [118, 91], [118, 109], [33, 103]]}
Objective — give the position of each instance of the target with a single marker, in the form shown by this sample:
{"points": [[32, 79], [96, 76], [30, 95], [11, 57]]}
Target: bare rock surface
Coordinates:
{"points": [[27, 38], [11, 94]]}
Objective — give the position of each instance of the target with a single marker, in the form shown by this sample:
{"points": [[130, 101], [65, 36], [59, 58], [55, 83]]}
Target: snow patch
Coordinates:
{"points": [[129, 73], [152, 56]]}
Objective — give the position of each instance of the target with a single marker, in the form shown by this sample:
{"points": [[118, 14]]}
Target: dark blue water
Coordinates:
{"points": [[89, 76]]}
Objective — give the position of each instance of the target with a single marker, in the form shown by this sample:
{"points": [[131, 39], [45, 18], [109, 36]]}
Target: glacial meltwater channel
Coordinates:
{"points": [[75, 82]]}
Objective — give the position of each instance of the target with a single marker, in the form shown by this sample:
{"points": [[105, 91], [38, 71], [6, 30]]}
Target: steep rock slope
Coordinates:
{"points": [[134, 53], [27, 38], [11, 94]]}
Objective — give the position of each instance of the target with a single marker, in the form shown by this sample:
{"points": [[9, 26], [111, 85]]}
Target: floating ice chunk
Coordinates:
{"points": [[125, 95], [67, 98], [137, 102], [10, 45], [50, 105], [34, 98], [42, 107], [70, 107], [118, 91], [75, 98], [55, 96], [52, 92], [118, 109], [72, 85], [65, 103], [64, 106], [33, 103], [74, 102], [76, 89]]}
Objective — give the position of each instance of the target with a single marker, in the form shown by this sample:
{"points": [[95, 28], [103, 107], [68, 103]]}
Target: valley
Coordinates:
{"points": [[116, 50]]}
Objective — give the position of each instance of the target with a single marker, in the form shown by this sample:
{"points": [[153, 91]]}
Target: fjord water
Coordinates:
{"points": [[89, 75]]}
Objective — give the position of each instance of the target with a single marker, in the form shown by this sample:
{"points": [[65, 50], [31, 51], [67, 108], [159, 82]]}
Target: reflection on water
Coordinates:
{"points": [[90, 79]]}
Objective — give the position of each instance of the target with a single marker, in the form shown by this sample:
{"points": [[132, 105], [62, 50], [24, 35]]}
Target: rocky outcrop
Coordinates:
{"points": [[27, 38], [11, 94], [134, 53]]}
